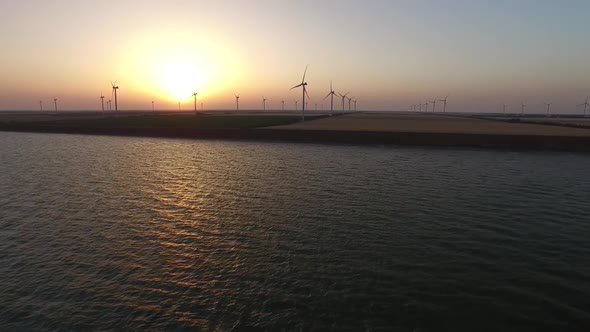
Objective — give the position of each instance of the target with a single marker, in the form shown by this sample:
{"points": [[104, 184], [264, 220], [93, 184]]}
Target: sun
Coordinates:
{"points": [[181, 77], [171, 65]]}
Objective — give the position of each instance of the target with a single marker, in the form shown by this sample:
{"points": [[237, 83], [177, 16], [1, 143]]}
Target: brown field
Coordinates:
{"points": [[577, 121], [422, 123]]}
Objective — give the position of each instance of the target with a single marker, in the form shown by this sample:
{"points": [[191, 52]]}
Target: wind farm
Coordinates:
{"points": [[294, 165]]}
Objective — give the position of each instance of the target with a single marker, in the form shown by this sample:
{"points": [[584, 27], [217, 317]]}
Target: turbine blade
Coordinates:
{"points": [[296, 86], [328, 95], [305, 72]]}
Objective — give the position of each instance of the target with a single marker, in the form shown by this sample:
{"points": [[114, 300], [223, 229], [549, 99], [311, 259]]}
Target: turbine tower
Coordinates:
{"points": [[115, 88], [102, 101], [444, 103], [303, 84], [548, 108], [237, 101], [331, 94], [504, 107], [283, 104], [153, 109], [55, 103], [263, 104], [585, 104], [296, 101], [349, 100], [522, 107], [354, 101], [41, 105], [427, 103], [195, 98]]}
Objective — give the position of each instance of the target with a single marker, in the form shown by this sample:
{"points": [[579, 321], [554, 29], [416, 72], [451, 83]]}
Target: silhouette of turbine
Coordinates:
{"points": [[433, 105], [237, 101], [585, 104], [444, 103], [331, 94], [343, 97], [303, 84], [102, 101], [195, 99], [115, 88], [548, 107]]}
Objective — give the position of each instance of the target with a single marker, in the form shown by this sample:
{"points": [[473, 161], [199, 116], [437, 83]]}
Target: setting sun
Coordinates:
{"points": [[181, 77], [170, 65]]}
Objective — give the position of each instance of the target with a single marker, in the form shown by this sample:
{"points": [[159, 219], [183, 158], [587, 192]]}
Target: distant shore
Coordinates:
{"points": [[295, 132]]}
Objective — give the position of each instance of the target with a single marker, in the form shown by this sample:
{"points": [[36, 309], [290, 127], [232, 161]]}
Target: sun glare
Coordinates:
{"points": [[171, 65], [180, 78]]}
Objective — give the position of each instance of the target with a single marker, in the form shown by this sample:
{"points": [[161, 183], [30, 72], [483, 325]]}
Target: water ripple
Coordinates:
{"points": [[162, 234]]}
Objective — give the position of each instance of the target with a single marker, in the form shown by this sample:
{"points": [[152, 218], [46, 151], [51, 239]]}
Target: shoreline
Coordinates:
{"points": [[393, 138]]}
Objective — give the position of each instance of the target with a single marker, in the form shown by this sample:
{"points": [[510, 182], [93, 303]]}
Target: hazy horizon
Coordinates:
{"points": [[389, 54]]}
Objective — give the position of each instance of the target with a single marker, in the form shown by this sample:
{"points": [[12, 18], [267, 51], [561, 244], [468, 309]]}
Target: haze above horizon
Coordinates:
{"points": [[389, 54]]}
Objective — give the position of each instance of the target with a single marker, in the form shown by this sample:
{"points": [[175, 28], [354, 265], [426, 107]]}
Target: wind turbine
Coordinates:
{"points": [[504, 107], [420, 107], [115, 88], [331, 94], [303, 84], [283, 104], [349, 100], [296, 101], [433, 105], [237, 102], [195, 98], [102, 101], [585, 104], [522, 107], [548, 107], [41, 105], [427, 103], [343, 97], [153, 109], [354, 101], [55, 103], [444, 103], [109, 103], [263, 103]]}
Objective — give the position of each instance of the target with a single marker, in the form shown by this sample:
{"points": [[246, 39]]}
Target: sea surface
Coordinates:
{"points": [[148, 234]]}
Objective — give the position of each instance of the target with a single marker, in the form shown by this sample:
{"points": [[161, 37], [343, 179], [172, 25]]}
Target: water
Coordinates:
{"points": [[163, 234]]}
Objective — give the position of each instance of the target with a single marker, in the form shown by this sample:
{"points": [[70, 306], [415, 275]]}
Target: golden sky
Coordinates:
{"points": [[389, 54]]}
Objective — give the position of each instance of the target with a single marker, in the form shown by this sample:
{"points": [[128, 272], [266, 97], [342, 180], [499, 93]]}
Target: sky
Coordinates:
{"points": [[389, 54]]}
